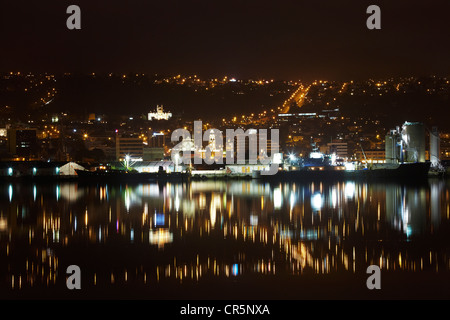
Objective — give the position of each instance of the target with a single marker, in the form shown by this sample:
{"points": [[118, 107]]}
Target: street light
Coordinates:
{"points": [[127, 161]]}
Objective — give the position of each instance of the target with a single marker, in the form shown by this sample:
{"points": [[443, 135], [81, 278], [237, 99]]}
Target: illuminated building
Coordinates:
{"points": [[393, 146], [159, 114], [129, 146], [413, 135], [246, 168], [153, 166], [339, 148], [435, 149], [407, 144], [371, 156], [155, 149], [157, 140]]}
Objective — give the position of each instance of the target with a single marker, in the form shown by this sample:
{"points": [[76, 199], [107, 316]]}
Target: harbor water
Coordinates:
{"points": [[225, 239]]}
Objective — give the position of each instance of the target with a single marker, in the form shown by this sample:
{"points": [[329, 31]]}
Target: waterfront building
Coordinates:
{"points": [[413, 135], [154, 166], [435, 148], [152, 153], [406, 144], [131, 147], [338, 148], [371, 156]]}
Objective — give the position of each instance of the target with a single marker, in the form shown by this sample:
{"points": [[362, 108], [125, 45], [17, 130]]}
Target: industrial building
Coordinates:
{"points": [[406, 144], [435, 147], [37, 169], [154, 166]]}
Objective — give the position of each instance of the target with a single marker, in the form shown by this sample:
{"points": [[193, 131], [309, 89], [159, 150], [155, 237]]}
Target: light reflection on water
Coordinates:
{"points": [[130, 235]]}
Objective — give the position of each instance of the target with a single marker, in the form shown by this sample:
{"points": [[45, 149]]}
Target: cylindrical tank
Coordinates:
{"points": [[392, 149], [413, 136], [434, 147]]}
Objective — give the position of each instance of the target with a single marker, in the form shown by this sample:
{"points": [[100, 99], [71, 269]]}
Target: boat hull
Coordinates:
{"points": [[404, 172], [117, 176]]}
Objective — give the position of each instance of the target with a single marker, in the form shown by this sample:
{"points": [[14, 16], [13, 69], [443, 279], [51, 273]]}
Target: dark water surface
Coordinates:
{"points": [[225, 240]]}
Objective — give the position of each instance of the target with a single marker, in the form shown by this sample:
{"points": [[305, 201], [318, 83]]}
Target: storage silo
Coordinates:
{"points": [[392, 149], [413, 136], [434, 147]]}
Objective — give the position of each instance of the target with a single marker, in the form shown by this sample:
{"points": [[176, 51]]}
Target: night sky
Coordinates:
{"points": [[245, 39]]}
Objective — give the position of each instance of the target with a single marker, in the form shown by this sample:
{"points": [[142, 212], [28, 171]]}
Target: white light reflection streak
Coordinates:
{"points": [[316, 202], [333, 197], [127, 199], [277, 198], [349, 190]]}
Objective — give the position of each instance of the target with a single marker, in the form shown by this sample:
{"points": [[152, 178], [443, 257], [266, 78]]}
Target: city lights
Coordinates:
{"points": [[236, 151]]}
